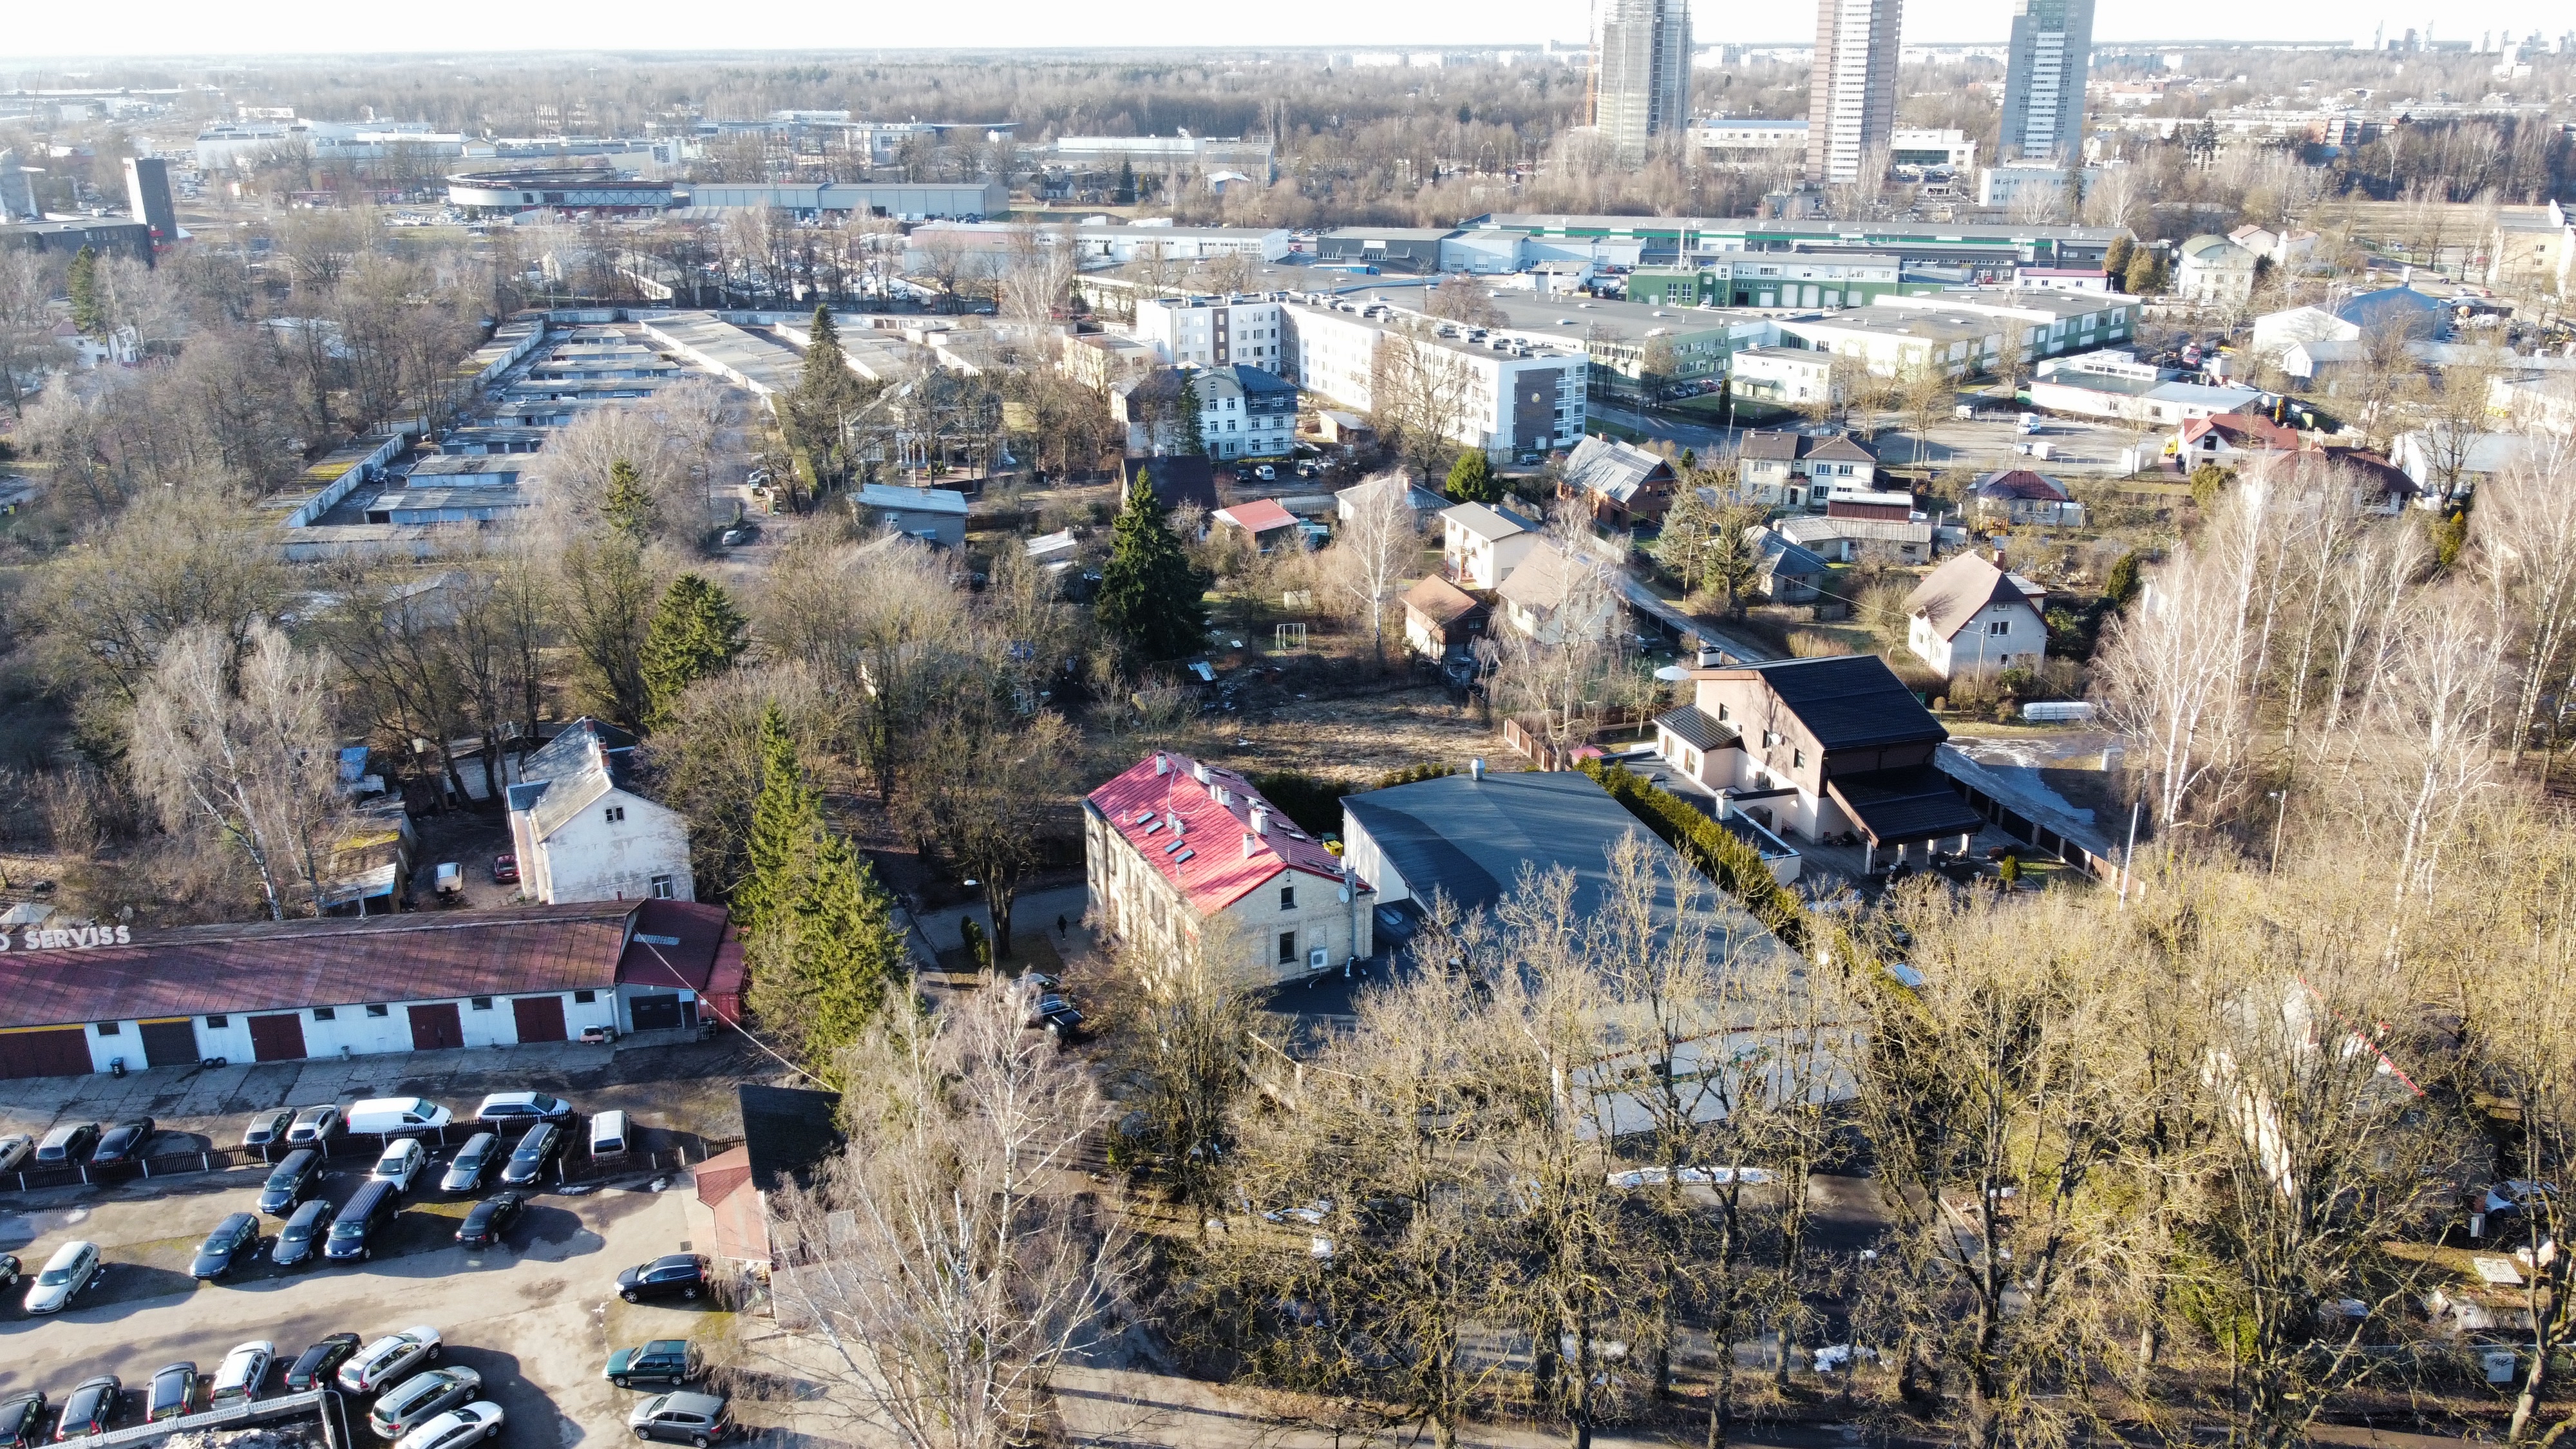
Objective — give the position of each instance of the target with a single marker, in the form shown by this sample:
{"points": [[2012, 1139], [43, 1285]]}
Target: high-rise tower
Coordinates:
{"points": [[2052, 44], [1641, 73], [1851, 94]]}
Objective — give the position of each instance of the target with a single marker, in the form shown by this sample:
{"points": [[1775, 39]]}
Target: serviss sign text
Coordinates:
{"points": [[66, 938]]}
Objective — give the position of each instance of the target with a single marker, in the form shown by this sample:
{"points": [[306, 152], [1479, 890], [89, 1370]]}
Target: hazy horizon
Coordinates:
{"points": [[164, 30]]}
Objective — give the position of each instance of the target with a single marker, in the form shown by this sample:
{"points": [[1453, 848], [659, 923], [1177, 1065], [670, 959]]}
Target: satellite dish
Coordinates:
{"points": [[1673, 673]]}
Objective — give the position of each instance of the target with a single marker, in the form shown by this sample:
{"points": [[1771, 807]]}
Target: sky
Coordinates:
{"points": [[192, 27]]}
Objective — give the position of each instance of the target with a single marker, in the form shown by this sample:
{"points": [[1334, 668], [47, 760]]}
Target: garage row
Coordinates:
{"points": [[289, 991]]}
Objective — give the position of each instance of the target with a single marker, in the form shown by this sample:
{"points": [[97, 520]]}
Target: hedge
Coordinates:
{"points": [[1315, 803], [1719, 853]]}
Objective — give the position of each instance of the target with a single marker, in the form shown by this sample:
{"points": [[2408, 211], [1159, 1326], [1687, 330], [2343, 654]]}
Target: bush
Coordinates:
{"points": [[1717, 852], [1315, 803], [979, 947]]}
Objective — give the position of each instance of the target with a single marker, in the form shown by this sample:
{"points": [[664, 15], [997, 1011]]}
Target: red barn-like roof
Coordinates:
{"points": [[1193, 822]]}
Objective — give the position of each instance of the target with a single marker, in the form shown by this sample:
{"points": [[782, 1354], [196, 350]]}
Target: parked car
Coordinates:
{"points": [[608, 1136], [10, 1270], [291, 1181], [174, 1393], [235, 1236], [67, 1145], [15, 1149], [400, 1162], [368, 1209], [740, 534], [680, 1275], [519, 1108], [456, 1428], [23, 1418], [389, 1360], [422, 1397], [90, 1408], [472, 1163], [1054, 1015], [393, 1116], [268, 1128], [538, 1146], [312, 1368], [683, 1418], [316, 1125], [300, 1241], [489, 1219], [1265, 473], [505, 870], [243, 1374], [73, 1267], [664, 1360]]}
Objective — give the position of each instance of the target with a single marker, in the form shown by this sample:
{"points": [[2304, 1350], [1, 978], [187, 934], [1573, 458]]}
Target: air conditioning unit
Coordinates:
{"points": [[1318, 959]]}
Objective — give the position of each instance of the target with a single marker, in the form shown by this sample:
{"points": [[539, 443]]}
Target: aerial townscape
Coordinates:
{"points": [[1330, 732]]}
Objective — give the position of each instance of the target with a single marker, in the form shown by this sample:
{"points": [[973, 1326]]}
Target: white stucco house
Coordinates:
{"points": [[1481, 545], [2210, 268], [583, 833], [1973, 616]]}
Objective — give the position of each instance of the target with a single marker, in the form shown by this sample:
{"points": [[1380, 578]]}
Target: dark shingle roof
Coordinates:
{"points": [[786, 1131], [1913, 803], [1696, 728], [1787, 447], [1850, 701], [1470, 837], [1177, 480]]}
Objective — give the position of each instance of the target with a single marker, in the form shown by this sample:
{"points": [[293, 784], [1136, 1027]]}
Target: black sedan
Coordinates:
{"points": [[22, 1420], [538, 1146], [91, 1409], [681, 1275], [123, 1142], [313, 1368], [233, 1239], [11, 1270], [491, 1218], [174, 1393]]}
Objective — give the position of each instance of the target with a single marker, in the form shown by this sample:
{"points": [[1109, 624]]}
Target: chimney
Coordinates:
{"points": [[1261, 820], [1198, 771], [1476, 769], [1251, 845], [1999, 561], [1162, 763]]}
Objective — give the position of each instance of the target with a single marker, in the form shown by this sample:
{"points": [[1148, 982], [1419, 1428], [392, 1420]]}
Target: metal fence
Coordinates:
{"points": [[668, 1152]]}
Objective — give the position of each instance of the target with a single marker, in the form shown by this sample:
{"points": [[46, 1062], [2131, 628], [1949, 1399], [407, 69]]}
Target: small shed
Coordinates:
{"points": [[1264, 519], [1440, 617], [933, 515]]}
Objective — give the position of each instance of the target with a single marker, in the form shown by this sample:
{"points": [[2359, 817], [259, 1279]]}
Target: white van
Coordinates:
{"points": [[389, 1116], [608, 1135]]}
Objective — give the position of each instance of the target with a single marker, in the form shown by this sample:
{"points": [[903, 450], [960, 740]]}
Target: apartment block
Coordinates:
{"points": [[1851, 95], [1507, 395], [1641, 70], [1214, 331], [2052, 43]]}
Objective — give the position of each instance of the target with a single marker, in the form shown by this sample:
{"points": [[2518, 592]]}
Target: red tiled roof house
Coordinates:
{"points": [[1184, 857]]}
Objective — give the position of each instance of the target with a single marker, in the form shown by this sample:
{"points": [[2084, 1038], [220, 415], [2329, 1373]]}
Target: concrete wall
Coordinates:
{"points": [[593, 858], [357, 1028]]}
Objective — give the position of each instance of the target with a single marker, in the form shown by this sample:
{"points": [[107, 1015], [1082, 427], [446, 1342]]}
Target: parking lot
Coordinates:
{"points": [[536, 1319]]}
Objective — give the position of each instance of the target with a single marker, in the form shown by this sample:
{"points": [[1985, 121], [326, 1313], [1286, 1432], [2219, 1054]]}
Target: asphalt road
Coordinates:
{"points": [[535, 1319]]}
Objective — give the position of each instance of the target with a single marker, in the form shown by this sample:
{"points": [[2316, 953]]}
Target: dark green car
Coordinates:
{"points": [[664, 1360]]}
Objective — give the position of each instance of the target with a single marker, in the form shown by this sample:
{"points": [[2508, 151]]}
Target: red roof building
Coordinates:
{"points": [[1263, 518], [1184, 858]]}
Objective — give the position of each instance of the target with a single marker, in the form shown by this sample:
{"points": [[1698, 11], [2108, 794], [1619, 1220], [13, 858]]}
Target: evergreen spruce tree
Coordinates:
{"points": [[88, 314], [627, 507], [849, 949], [1185, 414], [1126, 194], [1150, 596], [826, 366], [696, 632], [2146, 273], [1472, 480], [2115, 258], [786, 820]]}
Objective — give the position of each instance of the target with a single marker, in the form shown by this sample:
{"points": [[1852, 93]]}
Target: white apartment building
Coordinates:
{"points": [[1506, 395], [1214, 331]]}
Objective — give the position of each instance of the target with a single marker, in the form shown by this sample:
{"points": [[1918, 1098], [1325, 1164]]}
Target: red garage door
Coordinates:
{"points": [[540, 1017], [54, 1051], [435, 1027], [277, 1038]]}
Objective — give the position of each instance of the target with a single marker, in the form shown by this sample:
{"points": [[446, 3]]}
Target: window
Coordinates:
{"points": [[662, 888], [110, 1028], [1287, 948], [1770, 738], [378, 1010], [1999, 626], [218, 1023], [615, 813], [482, 1003], [1721, 714], [1288, 898], [584, 998], [324, 1013], [1797, 759]]}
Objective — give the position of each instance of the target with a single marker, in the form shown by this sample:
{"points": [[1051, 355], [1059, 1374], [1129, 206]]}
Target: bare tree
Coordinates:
{"points": [[985, 789], [883, 621], [1377, 545], [1419, 391], [2525, 526], [243, 748], [945, 1260]]}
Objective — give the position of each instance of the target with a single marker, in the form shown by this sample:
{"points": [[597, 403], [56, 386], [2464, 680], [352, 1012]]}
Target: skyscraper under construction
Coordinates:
{"points": [[1641, 73]]}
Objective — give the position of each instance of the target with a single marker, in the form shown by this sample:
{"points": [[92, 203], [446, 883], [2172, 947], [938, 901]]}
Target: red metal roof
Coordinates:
{"points": [[294, 965], [1260, 516], [1177, 821]]}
